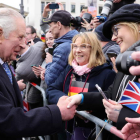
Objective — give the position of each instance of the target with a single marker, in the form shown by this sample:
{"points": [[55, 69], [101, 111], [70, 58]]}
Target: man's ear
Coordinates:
{"points": [[1, 35], [59, 25]]}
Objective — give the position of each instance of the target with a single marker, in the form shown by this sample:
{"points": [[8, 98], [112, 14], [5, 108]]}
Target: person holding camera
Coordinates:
{"points": [[124, 28], [109, 8]]}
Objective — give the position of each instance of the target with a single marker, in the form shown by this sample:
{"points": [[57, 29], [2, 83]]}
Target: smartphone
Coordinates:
{"points": [[33, 65], [54, 6], [101, 92], [50, 50], [111, 55]]}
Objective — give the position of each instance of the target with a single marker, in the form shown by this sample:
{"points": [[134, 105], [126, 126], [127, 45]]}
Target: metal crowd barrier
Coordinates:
{"points": [[47, 137], [42, 93], [100, 123]]}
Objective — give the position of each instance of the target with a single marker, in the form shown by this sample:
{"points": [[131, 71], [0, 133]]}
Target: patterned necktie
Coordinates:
{"points": [[6, 68]]}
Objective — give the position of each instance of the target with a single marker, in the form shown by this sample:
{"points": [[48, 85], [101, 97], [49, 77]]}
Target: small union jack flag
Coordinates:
{"points": [[131, 96]]}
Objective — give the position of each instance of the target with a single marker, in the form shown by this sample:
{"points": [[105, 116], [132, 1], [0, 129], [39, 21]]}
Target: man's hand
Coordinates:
{"points": [[112, 109], [131, 130], [21, 85], [46, 11], [66, 114]]}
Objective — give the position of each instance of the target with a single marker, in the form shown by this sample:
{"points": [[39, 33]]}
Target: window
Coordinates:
{"points": [[64, 5], [42, 6], [81, 7], [72, 8], [53, 10], [100, 9]]}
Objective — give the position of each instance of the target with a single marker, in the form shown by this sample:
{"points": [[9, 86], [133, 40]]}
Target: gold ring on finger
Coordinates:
{"points": [[136, 135]]}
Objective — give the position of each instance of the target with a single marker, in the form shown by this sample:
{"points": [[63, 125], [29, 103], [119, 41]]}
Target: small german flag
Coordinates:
{"points": [[77, 87], [43, 37]]}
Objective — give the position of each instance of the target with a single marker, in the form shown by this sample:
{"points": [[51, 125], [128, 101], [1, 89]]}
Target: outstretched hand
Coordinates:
{"points": [[131, 131], [74, 100], [86, 24], [66, 113]]}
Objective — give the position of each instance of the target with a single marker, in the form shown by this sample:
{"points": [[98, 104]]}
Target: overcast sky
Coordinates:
{"points": [[13, 3]]}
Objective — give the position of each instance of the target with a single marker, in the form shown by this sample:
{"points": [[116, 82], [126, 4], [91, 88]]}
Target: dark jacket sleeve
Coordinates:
{"points": [[55, 90], [93, 100], [125, 112], [40, 121]]}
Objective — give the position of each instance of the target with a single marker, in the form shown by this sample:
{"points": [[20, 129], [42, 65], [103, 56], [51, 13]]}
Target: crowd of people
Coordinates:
{"points": [[67, 66]]}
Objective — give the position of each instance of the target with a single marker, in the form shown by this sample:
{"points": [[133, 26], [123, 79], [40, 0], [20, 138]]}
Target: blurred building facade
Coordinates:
{"points": [[34, 9]]}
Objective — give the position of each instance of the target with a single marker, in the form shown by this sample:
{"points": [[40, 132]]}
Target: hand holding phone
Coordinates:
{"points": [[101, 92], [54, 6], [33, 65]]}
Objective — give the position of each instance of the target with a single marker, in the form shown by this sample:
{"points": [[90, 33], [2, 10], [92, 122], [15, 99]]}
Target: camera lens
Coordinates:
{"points": [[106, 8], [124, 61]]}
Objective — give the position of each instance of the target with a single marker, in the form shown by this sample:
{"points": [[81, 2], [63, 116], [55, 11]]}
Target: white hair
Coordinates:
{"points": [[8, 20]]}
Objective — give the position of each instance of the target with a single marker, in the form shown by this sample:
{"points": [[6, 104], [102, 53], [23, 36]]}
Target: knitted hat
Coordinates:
{"points": [[128, 13], [61, 15], [99, 31]]}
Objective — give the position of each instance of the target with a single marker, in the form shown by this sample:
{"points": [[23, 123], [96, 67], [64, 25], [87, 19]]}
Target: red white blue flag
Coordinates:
{"points": [[131, 96], [25, 105]]}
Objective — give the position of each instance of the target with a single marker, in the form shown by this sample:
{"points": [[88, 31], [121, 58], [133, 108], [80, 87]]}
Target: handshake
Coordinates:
{"points": [[68, 105]]}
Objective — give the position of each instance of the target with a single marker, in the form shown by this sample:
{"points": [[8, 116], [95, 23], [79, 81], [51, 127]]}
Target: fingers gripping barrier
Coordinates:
{"points": [[101, 123], [42, 93]]}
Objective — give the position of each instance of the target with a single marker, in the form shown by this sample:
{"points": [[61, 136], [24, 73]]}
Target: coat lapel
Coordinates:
{"points": [[7, 83]]}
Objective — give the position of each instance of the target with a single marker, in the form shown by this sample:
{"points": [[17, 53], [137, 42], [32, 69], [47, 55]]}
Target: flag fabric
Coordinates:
{"points": [[25, 105], [130, 97], [77, 87], [43, 37]]}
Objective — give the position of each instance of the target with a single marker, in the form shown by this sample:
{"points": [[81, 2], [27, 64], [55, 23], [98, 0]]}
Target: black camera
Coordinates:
{"points": [[76, 22], [124, 60], [105, 11]]}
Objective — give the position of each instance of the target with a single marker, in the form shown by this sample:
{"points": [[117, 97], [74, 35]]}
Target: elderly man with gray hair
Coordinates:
{"points": [[14, 122]]}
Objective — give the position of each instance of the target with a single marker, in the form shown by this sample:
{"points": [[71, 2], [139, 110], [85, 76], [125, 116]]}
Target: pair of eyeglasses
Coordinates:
{"points": [[28, 33], [82, 47], [115, 29]]}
